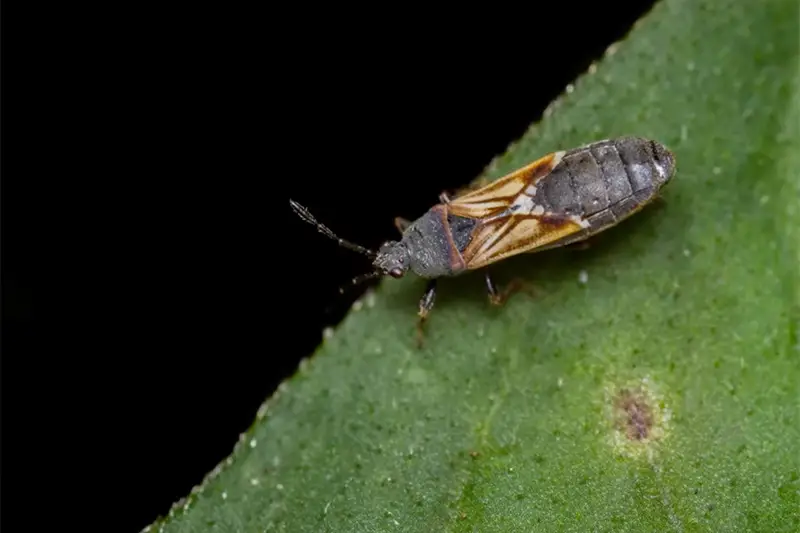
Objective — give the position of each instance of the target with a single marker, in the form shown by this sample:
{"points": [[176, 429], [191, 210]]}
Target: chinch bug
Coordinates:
{"points": [[562, 198]]}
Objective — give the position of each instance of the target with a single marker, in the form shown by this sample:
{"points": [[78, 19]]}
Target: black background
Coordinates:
{"points": [[181, 287]]}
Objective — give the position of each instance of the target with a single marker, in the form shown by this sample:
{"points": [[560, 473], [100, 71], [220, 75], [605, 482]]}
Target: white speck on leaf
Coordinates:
{"points": [[717, 171], [690, 66], [686, 252], [327, 333], [327, 505], [253, 443], [224, 495], [279, 486], [684, 132], [583, 276], [560, 382], [570, 88], [763, 200], [357, 305], [370, 299], [254, 481]]}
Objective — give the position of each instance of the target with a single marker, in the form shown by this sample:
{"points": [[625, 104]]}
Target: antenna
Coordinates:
{"points": [[305, 215], [362, 278]]}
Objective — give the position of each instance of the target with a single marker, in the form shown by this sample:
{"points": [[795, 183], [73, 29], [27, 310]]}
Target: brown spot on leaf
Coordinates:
{"points": [[635, 416]]}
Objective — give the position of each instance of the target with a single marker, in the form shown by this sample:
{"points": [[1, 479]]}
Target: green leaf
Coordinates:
{"points": [[651, 384]]}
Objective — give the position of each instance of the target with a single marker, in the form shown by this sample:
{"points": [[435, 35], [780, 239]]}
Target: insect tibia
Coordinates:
{"points": [[303, 213]]}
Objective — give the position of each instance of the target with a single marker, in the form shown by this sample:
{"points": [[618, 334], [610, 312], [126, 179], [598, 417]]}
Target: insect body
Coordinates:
{"points": [[559, 199]]}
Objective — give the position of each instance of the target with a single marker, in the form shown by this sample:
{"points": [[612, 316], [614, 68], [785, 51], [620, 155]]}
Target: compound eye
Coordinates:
{"points": [[396, 273]]}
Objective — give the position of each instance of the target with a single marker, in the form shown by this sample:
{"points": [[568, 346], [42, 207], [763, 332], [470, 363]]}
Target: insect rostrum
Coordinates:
{"points": [[562, 198]]}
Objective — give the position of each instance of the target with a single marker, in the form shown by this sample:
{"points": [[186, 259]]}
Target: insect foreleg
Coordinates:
{"points": [[401, 224], [425, 305]]}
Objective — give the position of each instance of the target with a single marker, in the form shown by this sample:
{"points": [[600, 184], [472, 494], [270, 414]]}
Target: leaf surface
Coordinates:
{"points": [[650, 384]]}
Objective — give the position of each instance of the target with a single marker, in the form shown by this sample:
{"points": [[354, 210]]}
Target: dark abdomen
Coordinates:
{"points": [[604, 182]]}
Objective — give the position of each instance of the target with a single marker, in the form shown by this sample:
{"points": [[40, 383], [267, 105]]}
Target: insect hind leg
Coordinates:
{"points": [[659, 201], [446, 196], [581, 246]]}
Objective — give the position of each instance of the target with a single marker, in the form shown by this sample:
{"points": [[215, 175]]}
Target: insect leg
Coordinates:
{"points": [[494, 295], [401, 224], [497, 297], [445, 196], [580, 245], [425, 305]]}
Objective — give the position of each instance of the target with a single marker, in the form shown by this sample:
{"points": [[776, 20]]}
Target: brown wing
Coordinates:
{"points": [[507, 235], [510, 222], [500, 194]]}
